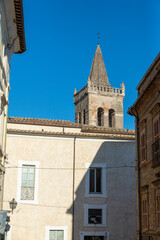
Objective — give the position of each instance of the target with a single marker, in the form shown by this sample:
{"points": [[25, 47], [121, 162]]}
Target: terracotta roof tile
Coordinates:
{"points": [[41, 121], [85, 129]]}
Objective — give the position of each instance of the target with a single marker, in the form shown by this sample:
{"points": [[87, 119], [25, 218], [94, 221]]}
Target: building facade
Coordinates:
{"points": [[11, 41], [146, 109], [70, 181]]}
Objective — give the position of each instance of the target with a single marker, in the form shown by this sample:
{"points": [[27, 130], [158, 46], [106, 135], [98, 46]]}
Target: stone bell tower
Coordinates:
{"points": [[99, 104]]}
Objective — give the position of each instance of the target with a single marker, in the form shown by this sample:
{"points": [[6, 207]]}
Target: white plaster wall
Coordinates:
{"points": [[55, 189]]}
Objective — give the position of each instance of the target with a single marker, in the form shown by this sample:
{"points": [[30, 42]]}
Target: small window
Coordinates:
{"points": [[56, 235], [100, 117], [28, 182], [111, 118], [95, 180], [95, 216]]}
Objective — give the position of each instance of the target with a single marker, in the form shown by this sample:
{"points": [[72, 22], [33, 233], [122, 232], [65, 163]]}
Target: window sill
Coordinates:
{"points": [[96, 195], [95, 225], [28, 201]]}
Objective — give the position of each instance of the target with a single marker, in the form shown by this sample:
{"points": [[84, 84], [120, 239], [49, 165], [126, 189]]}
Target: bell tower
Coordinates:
{"points": [[99, 104]]}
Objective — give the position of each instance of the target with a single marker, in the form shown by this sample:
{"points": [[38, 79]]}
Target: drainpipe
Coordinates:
{"points": [[73, 190], [138, 169]]}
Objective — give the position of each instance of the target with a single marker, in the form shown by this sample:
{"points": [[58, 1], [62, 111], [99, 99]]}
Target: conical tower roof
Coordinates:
{"points": [[98, 74]]}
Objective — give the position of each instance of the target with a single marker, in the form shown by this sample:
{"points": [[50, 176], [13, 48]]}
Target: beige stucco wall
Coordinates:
{"points": [[55, 185]]}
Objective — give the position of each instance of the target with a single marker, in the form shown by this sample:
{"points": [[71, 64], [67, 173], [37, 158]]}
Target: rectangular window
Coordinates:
{"points": [[27, 189], [56, 235], [28, 182], [95, 216], [143, 148], [56, 232], [95, 180], [158, 209], [144, 214]]}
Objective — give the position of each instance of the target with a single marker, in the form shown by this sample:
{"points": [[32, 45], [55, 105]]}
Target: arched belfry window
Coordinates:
{"points": [[80, 118], [84, 116], [111, 118], [100, 117]]}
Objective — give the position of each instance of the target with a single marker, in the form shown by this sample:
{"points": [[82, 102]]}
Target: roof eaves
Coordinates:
{"points": [[79, 135], [20, 24]]}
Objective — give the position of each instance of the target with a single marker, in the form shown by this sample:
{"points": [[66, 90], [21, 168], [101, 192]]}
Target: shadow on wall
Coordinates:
{"points": [[109, 183]]}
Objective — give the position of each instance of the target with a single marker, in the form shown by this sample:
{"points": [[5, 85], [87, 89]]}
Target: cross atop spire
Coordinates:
{"points": [[98, 37]]}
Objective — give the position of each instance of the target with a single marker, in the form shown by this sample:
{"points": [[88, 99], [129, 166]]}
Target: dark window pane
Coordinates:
{"points": [[91, 180], [98, 180], [80, 120], [100, 117], [95, 216], [84, 117]]}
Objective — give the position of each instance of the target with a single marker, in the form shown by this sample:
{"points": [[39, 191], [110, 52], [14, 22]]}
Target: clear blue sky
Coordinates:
{"points": [[61, 39]]}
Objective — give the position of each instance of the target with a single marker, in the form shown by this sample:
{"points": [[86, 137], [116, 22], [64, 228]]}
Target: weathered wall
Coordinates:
{"points": [[148, 111], [107, 103]]}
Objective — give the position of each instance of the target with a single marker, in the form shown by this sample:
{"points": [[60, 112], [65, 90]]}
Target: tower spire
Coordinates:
{"points": [[98, 74]]}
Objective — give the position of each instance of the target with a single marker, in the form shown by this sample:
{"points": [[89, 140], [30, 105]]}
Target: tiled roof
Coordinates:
{"points": [[85, 130], [41, 121]]}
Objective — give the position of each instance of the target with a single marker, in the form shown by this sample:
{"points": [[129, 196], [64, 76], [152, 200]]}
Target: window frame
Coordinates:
{"points": [[20, 165], [95, 180], [83, 234], [86, 217], [143, 146], [103, 167], [144, 198], [56, 228]]}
